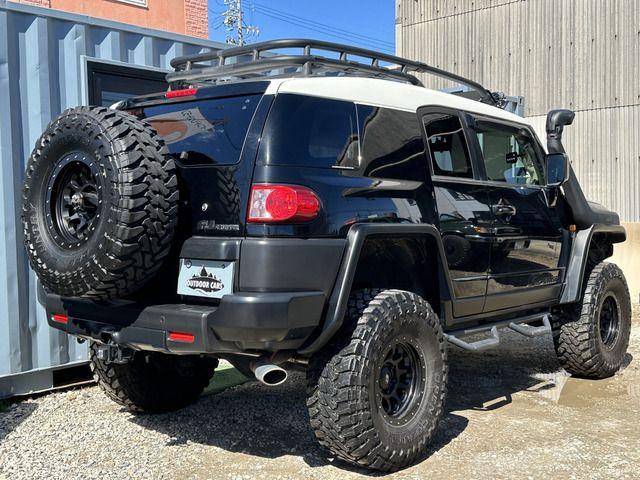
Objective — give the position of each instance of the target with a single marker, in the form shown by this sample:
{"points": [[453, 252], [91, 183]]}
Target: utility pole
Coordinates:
{"points": [[237, 30]]}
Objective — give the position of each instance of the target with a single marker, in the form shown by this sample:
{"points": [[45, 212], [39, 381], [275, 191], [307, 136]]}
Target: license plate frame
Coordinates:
{"points": [[205, 278]]}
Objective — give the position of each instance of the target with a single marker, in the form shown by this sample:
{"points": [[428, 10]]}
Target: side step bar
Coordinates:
{"points": [[518, 325]]}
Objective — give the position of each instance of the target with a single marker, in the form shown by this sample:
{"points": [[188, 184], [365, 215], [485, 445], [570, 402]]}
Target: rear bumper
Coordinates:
{"points": [[280, 289], [241, 322]]}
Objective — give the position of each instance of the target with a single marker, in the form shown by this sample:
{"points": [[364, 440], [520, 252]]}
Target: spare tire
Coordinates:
{"points": [[100, 204]]}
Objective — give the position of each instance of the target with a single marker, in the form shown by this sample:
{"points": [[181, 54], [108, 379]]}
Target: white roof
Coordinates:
{"points": [[385, 93]]}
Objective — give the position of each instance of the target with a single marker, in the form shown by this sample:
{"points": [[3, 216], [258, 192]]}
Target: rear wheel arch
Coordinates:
{"points": [[358, 270], [400, 263]]}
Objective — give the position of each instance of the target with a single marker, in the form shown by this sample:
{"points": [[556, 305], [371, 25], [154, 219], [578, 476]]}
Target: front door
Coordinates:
{"points": [[526, 229], [462, 202]]}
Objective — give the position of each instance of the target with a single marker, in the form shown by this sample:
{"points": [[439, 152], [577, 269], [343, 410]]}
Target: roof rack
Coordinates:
{"points": [[255, 60]]}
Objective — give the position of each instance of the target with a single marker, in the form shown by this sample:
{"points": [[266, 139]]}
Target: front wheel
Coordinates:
{"points": [[591, 337], [377, 392]]}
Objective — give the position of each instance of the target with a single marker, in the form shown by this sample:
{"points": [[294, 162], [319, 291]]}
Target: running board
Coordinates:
{"points": [[518, 325], [529, 331]]}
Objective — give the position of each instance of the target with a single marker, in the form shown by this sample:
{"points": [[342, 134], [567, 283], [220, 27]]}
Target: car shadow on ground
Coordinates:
{"points": [[13, 414], [273, 422]]}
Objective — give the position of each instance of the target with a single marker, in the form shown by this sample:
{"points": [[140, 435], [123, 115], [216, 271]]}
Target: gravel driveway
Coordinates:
{"points": [[511, 414]]}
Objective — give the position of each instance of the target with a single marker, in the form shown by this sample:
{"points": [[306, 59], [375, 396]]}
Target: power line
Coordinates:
{"points": [[322, 30], [326, 31], [316, 24]]}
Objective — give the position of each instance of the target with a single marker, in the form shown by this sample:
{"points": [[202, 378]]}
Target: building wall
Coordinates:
{"points": [[188, 17], [577, 54], [43, 55]]}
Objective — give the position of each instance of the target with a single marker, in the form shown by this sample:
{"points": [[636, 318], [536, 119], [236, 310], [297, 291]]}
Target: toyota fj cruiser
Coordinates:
{"points": [[323, 211]]}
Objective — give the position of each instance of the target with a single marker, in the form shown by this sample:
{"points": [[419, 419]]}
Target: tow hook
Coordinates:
{"points": [[110, 353]]}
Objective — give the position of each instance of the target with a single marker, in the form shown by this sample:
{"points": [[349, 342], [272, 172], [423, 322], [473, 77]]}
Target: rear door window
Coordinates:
{"points": [[311, 132], [447, 145]]}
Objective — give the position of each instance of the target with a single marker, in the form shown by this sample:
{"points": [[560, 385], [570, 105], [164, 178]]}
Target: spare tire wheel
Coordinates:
{"points": [[100, 204]]}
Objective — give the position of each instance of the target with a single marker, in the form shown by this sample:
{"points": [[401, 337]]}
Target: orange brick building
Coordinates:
{"points": [[188, 17]]}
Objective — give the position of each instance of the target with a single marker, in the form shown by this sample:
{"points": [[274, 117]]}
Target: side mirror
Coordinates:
{"points": [[557, 169]]}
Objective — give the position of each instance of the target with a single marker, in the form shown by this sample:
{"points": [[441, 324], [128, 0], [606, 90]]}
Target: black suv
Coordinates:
{"points": [[325, 212]]}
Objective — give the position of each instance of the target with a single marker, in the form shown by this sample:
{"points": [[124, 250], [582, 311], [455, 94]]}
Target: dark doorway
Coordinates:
{"points": [[109, 84]]}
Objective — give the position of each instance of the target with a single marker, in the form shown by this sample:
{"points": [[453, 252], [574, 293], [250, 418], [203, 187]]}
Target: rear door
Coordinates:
{"points": [[526, 232], [462, 202]]}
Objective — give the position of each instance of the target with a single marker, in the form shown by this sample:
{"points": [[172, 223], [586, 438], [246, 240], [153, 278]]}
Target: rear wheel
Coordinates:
{"points": [[376, 394], [153, 382], [591, 337]]}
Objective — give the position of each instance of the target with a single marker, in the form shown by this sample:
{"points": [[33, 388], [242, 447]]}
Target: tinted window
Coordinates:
{"points": [[109, 84], [509, 154], [391, 144], [210, 131], [447, 145], [310, 131]]}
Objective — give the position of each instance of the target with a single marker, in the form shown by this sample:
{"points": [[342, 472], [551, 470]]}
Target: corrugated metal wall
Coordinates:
{"points": [[42, 61], [578, 54]]}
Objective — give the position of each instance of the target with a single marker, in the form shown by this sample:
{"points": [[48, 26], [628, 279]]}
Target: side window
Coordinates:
{"points": [[391, 144], [310, 132], [509, 154], [447, 145]]}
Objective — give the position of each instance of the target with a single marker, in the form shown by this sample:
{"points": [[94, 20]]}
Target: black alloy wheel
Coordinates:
{"points": [[400, 382], [73, 200], [609, 321]]}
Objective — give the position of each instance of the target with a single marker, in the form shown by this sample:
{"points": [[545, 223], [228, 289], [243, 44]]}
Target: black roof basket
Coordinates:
{"points": [[256, 60]]}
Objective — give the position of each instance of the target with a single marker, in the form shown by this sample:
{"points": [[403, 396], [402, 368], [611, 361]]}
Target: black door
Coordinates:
{"points": [[462, 202], [526, 230]]}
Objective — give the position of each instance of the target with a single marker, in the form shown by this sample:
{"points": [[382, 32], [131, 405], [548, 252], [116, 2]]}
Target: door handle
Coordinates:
{"points": [[503, 210]]}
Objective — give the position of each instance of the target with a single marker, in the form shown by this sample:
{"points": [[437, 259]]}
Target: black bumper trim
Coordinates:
{"points": [[243, 321]]}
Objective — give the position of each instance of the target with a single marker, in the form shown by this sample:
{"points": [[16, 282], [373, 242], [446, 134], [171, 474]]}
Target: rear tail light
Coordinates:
{"points": [[186, 92], [58, 318], [282, 203]]}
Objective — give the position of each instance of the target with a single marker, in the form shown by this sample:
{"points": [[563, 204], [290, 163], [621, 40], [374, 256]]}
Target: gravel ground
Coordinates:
{"points": [[511, 414]]}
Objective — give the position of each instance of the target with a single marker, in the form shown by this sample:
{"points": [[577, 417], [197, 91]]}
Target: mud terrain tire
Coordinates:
{"points": [[348, 382], [153, 382], [591, 337], [100, 203]]}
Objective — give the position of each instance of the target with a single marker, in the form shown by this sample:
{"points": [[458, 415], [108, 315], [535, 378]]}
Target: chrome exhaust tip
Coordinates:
{"points": [[268, 373]]}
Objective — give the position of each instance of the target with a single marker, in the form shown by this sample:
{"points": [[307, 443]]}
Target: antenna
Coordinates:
{"points": [[237, 30]]}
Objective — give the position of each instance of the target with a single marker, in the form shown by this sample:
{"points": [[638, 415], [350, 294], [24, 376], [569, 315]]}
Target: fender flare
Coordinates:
{"points": [[357, 235], [574, 278]]}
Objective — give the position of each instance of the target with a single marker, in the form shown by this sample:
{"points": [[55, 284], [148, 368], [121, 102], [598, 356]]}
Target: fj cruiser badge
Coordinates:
{"points": [[205, 282]]}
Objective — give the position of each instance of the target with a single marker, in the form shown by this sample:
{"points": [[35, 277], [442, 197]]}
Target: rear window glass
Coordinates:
{"points": [[210, 131], [310, 131], [447, 145]]}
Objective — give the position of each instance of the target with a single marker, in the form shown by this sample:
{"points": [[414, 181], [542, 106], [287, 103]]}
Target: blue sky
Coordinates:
{"points": [[365, 23]]}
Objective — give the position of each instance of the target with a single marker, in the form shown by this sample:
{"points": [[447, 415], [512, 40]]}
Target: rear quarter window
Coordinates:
{"points": [[310, 132], [391, 144]]}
